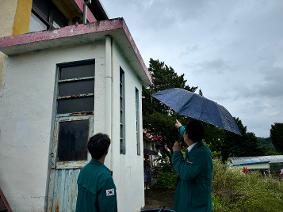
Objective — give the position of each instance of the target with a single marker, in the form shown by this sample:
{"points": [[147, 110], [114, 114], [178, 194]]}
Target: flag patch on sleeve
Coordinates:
{"points": [[110, 192]]}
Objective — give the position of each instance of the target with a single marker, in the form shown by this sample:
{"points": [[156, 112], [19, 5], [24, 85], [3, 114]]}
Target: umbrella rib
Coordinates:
{"points": [[201, 111], [185, 103], [220, 114]]}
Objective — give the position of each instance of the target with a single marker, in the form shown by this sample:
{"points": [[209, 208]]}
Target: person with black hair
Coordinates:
{"points": [[96, 188], [193, 191]]}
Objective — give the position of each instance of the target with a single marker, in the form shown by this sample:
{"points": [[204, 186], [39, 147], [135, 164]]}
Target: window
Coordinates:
{"points": [[36, 24], [138, 121], [45, 16], [122, 112], [75, 106], [72, 142], [75, 88]]}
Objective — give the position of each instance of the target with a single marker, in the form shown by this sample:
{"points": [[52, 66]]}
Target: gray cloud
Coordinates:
{"points": [[218, 66], [232, 50]]}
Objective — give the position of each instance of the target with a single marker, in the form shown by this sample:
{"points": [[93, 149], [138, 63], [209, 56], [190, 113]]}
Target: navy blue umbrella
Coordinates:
{"points": [[197, 107]]}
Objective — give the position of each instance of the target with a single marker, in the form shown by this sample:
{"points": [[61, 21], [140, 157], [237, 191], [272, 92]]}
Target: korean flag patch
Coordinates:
{"points": [[110, 192]]}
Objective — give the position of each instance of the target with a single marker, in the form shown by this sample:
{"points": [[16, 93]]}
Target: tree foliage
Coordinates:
{"points": [[276, 134], [239, 146], [158, 118], [267, 145]]}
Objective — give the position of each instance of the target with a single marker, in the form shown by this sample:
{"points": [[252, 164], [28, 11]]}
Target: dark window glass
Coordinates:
{"points": [[122, 131], [122, 148], [76, 88], [84, 104], [77, 71], [58, 18], [48, 13], [72, 142], [42, 7]]}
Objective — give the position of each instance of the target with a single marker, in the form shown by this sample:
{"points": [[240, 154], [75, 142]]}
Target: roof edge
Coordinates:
{"points": [[75, 30], [137, 52], [68, 31]]}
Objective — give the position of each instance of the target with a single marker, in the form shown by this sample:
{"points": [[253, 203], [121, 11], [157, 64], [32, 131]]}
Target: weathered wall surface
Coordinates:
{"points": [[128, 168], [22, 17], [2, 58], [14, 20], [7, 15], [26, 120]]}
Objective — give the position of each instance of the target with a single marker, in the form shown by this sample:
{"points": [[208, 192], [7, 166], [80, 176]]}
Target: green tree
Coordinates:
{"points": [[239, 146], [266, 144], [214, 137], [158, 119], [276, 134]]}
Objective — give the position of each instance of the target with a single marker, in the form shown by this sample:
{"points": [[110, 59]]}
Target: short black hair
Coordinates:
{"points": [[98, 145], [195, 131]]}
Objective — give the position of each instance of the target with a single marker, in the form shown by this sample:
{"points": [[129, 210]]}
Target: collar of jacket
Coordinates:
{"points": [[198, 145]]}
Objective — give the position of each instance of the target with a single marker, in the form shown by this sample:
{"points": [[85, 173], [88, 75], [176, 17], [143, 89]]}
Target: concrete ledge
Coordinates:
{"points": [[76, 35]]}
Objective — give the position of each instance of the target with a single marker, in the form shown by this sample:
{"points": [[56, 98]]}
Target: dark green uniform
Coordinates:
{"points": [[193, 192], [96, 189]]}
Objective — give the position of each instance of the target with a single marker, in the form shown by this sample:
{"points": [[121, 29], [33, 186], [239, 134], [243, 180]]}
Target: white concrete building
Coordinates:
{"points": [[60, 87]]}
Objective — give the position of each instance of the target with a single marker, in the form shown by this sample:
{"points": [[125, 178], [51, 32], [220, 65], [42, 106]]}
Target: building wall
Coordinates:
{"points": [[14, 20], [26, 110], [2, 58], [7, 15], [26, 118], [128, 168], [22, 17], [254, 166]]}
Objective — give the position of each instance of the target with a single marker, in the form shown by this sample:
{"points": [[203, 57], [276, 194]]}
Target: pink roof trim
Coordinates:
{"points": [[137, 52], [90, 16], [75, 30]]}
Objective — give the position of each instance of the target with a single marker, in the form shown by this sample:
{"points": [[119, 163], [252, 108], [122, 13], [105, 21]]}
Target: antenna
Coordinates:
{"points": [[86, 2]]}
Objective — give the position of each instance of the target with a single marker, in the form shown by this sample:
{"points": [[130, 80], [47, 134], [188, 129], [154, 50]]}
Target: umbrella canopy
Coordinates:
{"points": [[197, 107]]}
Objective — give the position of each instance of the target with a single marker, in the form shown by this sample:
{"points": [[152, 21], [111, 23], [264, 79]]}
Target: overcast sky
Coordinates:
{"points": [[232, 50]]}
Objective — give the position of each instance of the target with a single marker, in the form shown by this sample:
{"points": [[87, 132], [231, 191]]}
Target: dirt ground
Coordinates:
{"points": [[159, 198]]}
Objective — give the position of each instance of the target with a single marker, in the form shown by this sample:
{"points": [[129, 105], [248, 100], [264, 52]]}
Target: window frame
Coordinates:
{"points": [[137, 104], [69, 164], [54, 163], [70, 64], [122, 112], [49, 14]]}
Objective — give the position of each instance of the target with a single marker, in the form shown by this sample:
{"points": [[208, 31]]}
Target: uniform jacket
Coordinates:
{"points": [[96, 189], [193, 191]]}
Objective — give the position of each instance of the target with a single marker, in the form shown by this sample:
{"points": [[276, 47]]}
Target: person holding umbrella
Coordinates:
{"points": [[193, 191]]}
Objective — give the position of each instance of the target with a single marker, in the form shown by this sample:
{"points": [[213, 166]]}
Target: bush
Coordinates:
{"points": [[236, 191], [232, 190], [165, 180], [165, 177]]}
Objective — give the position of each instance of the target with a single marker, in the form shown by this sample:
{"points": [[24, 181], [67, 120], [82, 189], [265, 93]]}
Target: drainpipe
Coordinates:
{"points": [[108, 93]]}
